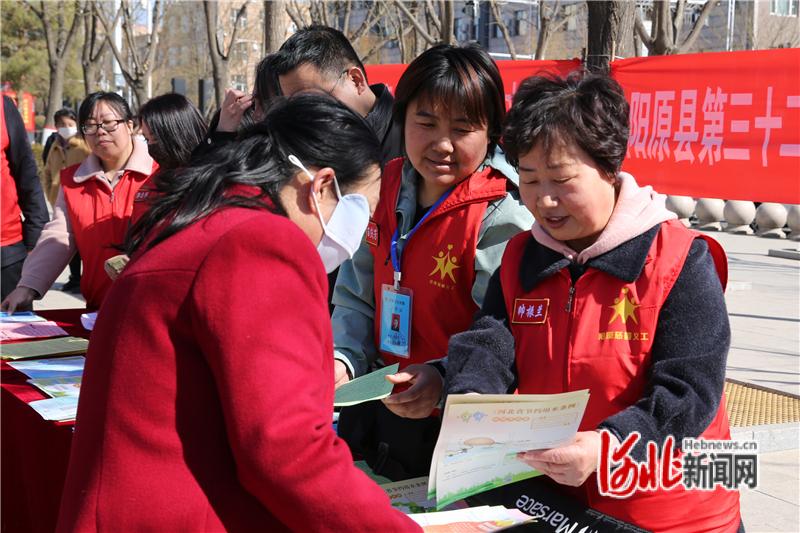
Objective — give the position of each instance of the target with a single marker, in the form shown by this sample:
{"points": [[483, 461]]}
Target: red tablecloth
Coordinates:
{"points": [[35, 452]]}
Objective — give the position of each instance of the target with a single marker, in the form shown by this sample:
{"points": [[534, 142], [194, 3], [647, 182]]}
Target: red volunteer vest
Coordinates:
{"points": [[143, 199], [438, 262], [99, 217], [10, 214], [603, 343]]}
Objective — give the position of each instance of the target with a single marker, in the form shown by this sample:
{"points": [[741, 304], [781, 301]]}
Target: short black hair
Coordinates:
{"points": [[177, 126], [450, 75], [266, 86], [65, 112], [326, 48], [114, 101], [587, 109]]}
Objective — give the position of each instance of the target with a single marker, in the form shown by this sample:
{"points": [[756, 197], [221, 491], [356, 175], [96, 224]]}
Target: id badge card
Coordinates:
{"points": [[396, 320]]}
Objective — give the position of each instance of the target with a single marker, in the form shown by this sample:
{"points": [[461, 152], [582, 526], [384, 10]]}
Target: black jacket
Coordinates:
{"points": [[380, 120], [26, 178], [688, 357]]}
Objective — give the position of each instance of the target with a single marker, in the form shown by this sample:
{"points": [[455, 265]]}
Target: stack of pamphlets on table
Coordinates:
{"points": [[59, 378], [481, 436], [51, 362], [471, 520]]}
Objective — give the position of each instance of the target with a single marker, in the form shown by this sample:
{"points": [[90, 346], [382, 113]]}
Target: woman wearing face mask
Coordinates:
{"points": [[93, 208], [172, 127], [219, 418], [67, 149]]}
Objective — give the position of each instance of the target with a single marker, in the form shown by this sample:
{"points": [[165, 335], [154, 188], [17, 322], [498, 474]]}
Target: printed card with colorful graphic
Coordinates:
{"points": [[57, 409], [482, 434], [44, 348], [14, 331], [21, 317], [411, 496], [61, 367], [58, 387]]}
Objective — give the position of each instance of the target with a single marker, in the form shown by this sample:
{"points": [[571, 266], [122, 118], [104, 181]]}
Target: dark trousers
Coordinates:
{"points": [[75, 268], [10, 276]]}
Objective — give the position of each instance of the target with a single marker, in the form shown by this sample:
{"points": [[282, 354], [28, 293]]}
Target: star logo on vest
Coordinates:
{"points": [[530, 310], [445, 266], [624, 308]]}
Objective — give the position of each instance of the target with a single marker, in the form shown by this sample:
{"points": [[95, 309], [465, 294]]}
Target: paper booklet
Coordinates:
{"points": [[57, 409], [21, 317], [61, 367], [411, 496], [372, 386], [482, 434], [47, 347], [58, 387], [473, 519], [12, 331]]}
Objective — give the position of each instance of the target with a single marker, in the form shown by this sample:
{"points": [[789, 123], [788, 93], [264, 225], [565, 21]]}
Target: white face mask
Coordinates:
{"points": [[343, 233], [67, 132]]}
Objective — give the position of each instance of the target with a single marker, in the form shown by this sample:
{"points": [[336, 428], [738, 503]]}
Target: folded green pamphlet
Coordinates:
{"points": [[372, 386]]}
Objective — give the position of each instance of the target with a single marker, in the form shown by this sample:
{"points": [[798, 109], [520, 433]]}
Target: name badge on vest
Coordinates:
{"points": [[396, 320], [141, 195], [373, 234], [530, 310]]}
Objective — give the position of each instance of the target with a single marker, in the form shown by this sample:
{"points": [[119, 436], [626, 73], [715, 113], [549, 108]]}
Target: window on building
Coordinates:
{"points": [[242, 21], [521, 22], [239, 82], [784, 8]]}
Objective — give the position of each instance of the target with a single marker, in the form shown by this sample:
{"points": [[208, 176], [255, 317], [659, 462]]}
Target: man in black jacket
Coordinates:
{"points": [[320, 58], [22, 192]]}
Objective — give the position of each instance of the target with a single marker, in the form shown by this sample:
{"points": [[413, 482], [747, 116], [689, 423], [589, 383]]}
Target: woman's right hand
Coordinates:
{"points": [[233, 107], [20, 299]]}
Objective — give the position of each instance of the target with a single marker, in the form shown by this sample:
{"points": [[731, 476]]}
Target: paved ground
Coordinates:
{"points": [[763, 300]]}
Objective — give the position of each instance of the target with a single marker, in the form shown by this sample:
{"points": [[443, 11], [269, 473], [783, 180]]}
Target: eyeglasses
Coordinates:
{"points": [[338, 80], [107, 125]]}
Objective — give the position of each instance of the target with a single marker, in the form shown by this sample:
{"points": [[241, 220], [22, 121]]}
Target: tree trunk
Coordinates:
{"points": [[276, 21], [219, 67], [448, 21], [610, 25], [55, 96]]}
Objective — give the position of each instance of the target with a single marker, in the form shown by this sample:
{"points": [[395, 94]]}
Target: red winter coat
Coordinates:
{"points": [[208, 390]]}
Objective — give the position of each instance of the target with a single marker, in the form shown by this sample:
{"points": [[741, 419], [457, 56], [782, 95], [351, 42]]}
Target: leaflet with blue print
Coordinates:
{"points": [[481, 436]]}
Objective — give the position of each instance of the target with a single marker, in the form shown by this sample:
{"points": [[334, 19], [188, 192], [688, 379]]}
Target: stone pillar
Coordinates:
{"points": [[739, 215], [770, 219], [683, 206], [710, 213], [793, 219]]}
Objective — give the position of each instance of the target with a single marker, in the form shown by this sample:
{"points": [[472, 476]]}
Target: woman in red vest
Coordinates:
{"points": [[93, 209], [608, 292], [445, 214], [206, 398]]}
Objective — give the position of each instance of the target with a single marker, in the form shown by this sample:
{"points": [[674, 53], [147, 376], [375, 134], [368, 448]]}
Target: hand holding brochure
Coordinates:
{"points": [[482, 434], [372, 386]]}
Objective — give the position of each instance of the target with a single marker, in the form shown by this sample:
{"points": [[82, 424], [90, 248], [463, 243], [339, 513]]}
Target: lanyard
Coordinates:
{"points": [[396, 254]]}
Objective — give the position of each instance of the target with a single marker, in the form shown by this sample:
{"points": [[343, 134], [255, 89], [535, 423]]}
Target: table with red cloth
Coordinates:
{"points": [[35, 451]]}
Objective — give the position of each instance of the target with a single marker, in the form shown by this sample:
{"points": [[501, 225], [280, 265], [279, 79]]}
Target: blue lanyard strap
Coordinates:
{"points": [[395, 252]]}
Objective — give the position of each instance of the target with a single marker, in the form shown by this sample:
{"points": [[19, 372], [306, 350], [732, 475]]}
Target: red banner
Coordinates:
{"points": [[513, 72], [715, 125]]}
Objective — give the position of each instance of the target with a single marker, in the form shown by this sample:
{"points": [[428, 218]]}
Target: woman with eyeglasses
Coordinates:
{"points": [[93, 208], [206, 398]]}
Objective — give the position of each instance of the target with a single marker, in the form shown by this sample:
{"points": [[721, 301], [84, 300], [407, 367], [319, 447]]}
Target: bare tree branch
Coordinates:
{"points": [[698, 26], [421, 31], [374, 14], [498, 19], [293, 9], [430, 12]]}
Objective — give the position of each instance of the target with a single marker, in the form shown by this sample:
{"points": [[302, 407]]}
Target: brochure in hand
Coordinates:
{"points": [[482, 434], [372, 386]]}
